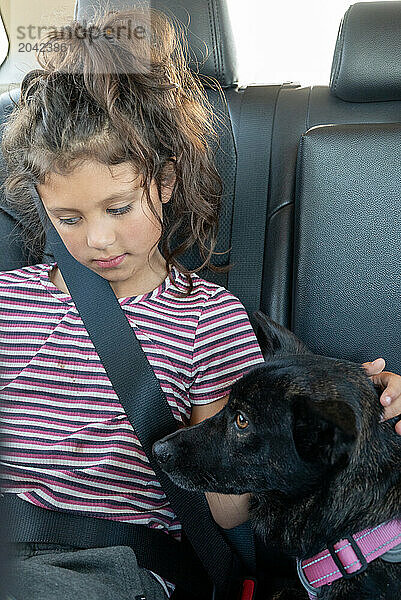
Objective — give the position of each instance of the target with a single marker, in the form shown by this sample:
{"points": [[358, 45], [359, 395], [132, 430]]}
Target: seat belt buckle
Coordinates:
{"points": [[239, 588], [248, 589]]}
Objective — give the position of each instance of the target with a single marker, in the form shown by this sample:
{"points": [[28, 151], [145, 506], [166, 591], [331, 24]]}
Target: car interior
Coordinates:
{"points": [[311, 179]]}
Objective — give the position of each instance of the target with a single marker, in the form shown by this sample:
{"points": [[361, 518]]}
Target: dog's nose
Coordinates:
{"points": [[161, 452]]}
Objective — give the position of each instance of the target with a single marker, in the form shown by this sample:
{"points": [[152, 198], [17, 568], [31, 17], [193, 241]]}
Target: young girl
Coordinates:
{"points": [[116, 134]]}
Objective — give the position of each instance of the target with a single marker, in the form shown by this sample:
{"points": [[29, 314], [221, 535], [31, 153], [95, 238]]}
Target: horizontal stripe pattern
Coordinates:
{"points": [[66, 442]]}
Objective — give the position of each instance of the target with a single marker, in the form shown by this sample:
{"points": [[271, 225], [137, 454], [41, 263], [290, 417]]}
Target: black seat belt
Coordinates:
{"points": [[253, 128], [252, 116], [145, 404]]}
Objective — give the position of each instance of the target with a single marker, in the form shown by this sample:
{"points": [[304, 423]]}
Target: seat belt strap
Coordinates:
{"points": [[253, 146], [252, 117], [141, 396]]}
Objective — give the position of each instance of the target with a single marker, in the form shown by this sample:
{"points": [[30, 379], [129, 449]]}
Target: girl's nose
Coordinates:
{"points": [[99, 235]]}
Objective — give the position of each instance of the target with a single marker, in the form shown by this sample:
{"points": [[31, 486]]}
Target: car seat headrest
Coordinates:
{"points": [[207, 28], [366, 65]]}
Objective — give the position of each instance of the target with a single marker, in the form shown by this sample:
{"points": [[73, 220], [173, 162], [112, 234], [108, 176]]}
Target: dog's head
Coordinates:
{"points": [[288, 424]]}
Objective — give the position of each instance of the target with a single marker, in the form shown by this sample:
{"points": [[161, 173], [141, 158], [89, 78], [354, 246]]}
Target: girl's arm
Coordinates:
{"points": [[228, 510]]}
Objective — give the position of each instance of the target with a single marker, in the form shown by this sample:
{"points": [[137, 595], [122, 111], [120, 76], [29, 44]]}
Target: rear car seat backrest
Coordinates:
{"points": [[365, 88], [347, 247], [346, 285]]}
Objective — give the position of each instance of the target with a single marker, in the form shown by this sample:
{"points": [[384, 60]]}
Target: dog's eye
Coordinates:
{"points": [[241, 422]]}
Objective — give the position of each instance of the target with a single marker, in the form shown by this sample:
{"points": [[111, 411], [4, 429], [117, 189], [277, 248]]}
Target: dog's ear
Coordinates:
{"points": [[275, 339], [324, 432]]}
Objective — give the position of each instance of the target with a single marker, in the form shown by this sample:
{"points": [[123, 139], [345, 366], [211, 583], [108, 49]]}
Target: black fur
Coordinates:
{"points": [[302, 434]]}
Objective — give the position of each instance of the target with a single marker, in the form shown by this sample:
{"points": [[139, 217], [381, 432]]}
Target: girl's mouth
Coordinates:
{"points": [[114, 262]]}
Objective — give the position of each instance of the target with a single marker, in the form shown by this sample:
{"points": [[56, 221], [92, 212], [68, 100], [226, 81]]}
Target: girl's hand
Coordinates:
{"points": [[391, 384]]}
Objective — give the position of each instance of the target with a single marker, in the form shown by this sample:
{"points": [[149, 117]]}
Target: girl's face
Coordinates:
{"points": [[100, 212]]}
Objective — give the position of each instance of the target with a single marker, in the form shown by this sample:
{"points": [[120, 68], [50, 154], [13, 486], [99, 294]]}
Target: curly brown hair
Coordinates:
{"points": [[114, 99]]}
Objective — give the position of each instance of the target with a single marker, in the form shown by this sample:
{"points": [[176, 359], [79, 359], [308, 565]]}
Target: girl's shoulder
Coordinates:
{"points": [[25, 283], [214, 294], [218, 305], [207, 290], [23, 275], [27, 291]]}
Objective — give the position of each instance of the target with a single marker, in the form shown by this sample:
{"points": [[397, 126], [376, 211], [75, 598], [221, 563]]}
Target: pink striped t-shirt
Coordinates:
{"points": [[66, 441]]}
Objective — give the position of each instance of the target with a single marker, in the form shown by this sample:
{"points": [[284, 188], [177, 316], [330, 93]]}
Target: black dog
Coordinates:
{"points": [[303, 435]]}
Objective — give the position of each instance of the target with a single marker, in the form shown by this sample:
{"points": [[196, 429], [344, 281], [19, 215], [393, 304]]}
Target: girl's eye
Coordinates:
{"points": [[117, 212], [120, 211], [241, 422], [67, 221]]}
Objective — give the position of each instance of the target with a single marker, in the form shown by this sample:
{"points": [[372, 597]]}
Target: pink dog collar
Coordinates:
{"points": [[349, 556]]}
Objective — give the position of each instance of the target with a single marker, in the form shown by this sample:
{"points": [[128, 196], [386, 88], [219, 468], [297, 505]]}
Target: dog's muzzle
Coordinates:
{"points": [[163, 454]]}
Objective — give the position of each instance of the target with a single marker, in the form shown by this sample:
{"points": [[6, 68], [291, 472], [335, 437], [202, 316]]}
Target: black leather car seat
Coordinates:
{"points": [[365, 87]]}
